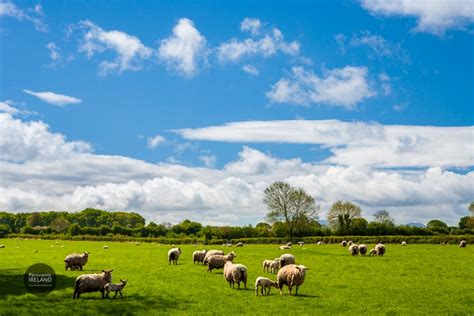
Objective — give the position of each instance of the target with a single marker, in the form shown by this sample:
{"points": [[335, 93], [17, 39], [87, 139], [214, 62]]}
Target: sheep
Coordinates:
{"points": [[218, 261], [363, 249], [212, 252], [320, 243], [76, 259], [198, 256], [379, 249], [372, 252], [117, 288], [173, 255], [92, 283], [264, 284], [285, 247], [343, 243], [301, 243], [404, 243], [74, 268], [266, 265], [291, 275], [463, 244], [2, 246], [354, 249], [106, 247], [239, 244], [274, 266], [235, 273], [289, 244], [286, 259]]}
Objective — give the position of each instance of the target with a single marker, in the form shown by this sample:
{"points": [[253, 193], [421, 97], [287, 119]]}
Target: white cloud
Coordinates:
{"points": [[153, 142], [9, 9], [208, 160], [54, 98], [252, 70], [433, 16], [129, 50], [42, 170], [185, 50], [267, 43], [379, 46], [339, 87], [53, 52], [251, 25], [357, 143]]}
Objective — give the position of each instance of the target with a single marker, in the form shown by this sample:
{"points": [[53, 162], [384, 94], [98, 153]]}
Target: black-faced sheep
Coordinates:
{"points": [[379, 249], [173, 255], [235, 273], [372, 252], [198, 256], [218, 261], [92, 283], [463, 244], [76, 259], [117, 288], [265, 285], [211, 253], [286, 259], [354, 249], [363, 249], [343, 243], [350, 243], [291, 275]]}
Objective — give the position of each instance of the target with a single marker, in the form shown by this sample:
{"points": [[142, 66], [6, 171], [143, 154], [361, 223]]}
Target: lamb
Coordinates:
{"points": [[289, 244], [372, 252], [265, 284], [285, 247], [117, 288], [320, 243], [267, 264], [274, 266], [379, 249], [76, 259], [92, 283], [404, 243], [463, 244], [354, 249], [291, 275], [363, 249], [106, 247], [173, 255], [212, 252], [218, 261], [198, 256], [343, 243], [286, 259], [235, 273], [301, 243], [239, 244]]}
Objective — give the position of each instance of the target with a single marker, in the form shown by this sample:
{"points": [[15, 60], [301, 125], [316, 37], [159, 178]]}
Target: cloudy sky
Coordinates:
{"points": [[184, 110]]}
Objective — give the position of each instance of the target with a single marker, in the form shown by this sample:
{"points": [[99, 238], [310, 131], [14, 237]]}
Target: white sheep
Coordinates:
{"points": [[211, 253], [2, 246], [239, 244], [286, 259], [265, 285], [343, 243], [372, 252], [218, 261], [354, 249], [285, 247], [117, 288], [274, 266], [379, 249], [92, 283], [363, 249], [76, 259], [320, 243], [404, 243], [301, 243], [350, 243], [266, 265], [198, 256], [106, 247], [463, 244], [235, 273], [173, 255], [291, 275]]}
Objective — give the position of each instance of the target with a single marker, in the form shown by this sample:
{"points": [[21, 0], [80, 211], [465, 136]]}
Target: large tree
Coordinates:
{"points": [[293, 206], [383, 217], [471, 209], [341, 214]]}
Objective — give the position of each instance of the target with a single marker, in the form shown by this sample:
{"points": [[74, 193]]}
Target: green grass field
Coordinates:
{"points": [[417, 279]]}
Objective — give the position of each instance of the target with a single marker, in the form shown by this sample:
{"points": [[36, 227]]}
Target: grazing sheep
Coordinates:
{"points": [[267, 264], [320, 243], [350, 243], [76, 259], [173, 255], [92, 283], [106, 247], [198, 256], [239, 244], [363, 249], [343, 243], [404, 243], [372, 252], [291, 275], [274, 266], [463, 244], [137, 244], [218, 261], [264, 284], [235, 273], [286, 259], [354, 249], [379, 249], [285, 247], [2, 246], [289, 244], [301, 243], [117, 288], [212, 252]]}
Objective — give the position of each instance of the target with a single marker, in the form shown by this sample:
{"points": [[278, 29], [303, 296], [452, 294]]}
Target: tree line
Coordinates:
{"points": [[291, 212]]}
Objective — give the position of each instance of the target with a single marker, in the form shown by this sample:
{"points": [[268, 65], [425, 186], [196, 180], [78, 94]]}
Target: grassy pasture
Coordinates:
{"points": [[417, 279]]}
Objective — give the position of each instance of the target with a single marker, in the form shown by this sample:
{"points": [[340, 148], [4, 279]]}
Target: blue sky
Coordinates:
{"points": [[188, 110]]}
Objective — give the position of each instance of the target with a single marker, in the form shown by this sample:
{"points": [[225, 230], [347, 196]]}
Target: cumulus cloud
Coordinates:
{"points": [[185, 50], [54, 98], [129, 50], [433, 16], [338, 87], [34, 15], [153, 142], [262, 43], [355, 143]]}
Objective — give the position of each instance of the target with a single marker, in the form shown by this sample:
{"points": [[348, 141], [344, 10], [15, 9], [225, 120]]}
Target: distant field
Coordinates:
{"points": [[417, 279]]}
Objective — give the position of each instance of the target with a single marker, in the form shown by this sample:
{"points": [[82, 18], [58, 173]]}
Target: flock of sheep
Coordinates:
{"points": [[288, 272]]}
